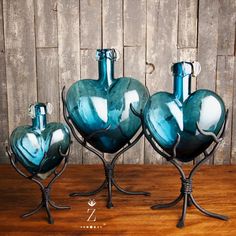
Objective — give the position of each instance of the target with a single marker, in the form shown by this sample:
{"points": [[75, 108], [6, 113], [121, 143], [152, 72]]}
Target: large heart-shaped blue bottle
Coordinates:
{"points": [[38, 147], [167, 115], [102, 107]]}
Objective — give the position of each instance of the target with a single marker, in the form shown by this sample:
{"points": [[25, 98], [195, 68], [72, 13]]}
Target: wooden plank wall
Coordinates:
{"points": [[48, 44]]}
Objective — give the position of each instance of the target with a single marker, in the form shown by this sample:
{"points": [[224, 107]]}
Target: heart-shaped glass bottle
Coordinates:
{"points": [[100, 109], [166, 115], [39, 147]]}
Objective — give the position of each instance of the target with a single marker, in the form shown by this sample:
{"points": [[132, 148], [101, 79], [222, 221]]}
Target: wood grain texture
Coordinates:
{"points": [[233, 137], [187, 23], [68, 15], [207, 43], [226, 28], [20, 59], [131, 215], [3, 92], [134, 59], [134, 22], [160, 41], [47, 78], [158, 32], [46, 23], [225, 76], [112, 30], [90, 21]]}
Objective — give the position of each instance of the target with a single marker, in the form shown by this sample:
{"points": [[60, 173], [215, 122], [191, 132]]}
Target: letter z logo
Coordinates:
{"points": [[92, 216]]}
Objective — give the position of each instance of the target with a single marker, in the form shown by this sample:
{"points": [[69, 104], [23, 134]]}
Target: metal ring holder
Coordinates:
{"points": [[45, 190], [186, 188], [109, 167]]}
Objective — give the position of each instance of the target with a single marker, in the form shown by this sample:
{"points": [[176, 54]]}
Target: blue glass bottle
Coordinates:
{"points": [[169, 114], [100, 109], [37, 147]]}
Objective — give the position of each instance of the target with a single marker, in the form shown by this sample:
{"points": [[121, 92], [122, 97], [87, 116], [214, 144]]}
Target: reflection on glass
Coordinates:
{"points": [[96, 105], [167, 114], [31, 143]]}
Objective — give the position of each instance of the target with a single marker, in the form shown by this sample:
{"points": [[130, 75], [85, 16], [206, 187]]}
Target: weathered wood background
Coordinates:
{"points": [[46, 44]]}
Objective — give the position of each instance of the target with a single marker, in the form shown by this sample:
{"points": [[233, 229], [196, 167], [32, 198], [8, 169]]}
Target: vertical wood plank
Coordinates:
{"points": [[226, 27], [20, 59], [207, 43], [142, 30], [88, 61], [91, 39], [225, 74], [48, 87], [134, 59], [161, 51], [112, 30], [90, 21], [161, 43], [134, 22], [233, 138], [3, 93], [187, 23], [47, 55], [68, 13], [46, 23]]}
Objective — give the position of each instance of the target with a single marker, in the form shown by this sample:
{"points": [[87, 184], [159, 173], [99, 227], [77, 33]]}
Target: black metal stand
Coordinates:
{"points": [[46, 190], [187, 186], [109, 167]]}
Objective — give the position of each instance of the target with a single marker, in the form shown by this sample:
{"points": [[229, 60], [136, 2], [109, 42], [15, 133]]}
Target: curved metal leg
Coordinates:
{"points": [[109, 189], [99, 189], [108, 166], [168, 205], [33, 211], [186, 189], [129, 192], [52, 204], [50, 219], [45, 190], [182, 218], [208, 213], [189, 203]]}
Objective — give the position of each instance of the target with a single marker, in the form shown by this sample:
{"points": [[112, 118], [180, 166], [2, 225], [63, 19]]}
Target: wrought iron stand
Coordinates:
{"points": [[46, 190], [109, 167], [187, 186]]}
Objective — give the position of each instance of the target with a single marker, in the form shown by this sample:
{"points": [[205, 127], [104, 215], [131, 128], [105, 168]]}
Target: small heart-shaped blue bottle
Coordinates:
{"points": [[38, 147], [102, 107], [168, 114]]}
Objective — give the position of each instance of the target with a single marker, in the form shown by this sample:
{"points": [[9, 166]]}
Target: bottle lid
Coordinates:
{"points": [[109, 53], [39, 108], [186, 68]]}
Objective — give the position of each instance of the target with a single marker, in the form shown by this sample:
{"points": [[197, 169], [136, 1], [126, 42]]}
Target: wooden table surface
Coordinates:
{"points": [[214, 189]]}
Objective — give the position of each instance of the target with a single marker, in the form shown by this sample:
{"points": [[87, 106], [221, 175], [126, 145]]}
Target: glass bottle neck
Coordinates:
{"points": [[182, 87], [106, 71], [39, 122]]}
